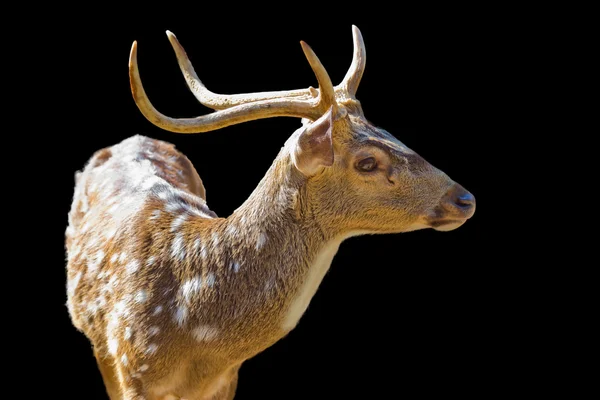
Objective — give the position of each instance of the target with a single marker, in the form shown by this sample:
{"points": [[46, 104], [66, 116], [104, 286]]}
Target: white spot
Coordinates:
{"points": [[181, 315], [205, 333], [101, 301], [72, 284], [151, 349], [203, 252], [174, 206], [210, 279], [135, 375], [177, 222], [132, 266], [127, 335], [155, 214], [113, 258], [232, 230], [153, 330], [113, 346], [163, 195], [157, 310], [141, 296], [191, 287], [196, 244], [124, 359], [85, 227], [144, 367], [122, 257], [121, 308], [151, 181], [150, 260], [94, 263], [262, 239], [114, 208], [215, 240], [110, 285], [92, 308], [111, 233], [70, 231], [235, 266], [177, 249]]}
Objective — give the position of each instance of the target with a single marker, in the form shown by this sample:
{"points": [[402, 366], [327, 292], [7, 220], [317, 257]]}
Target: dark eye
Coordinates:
{"points": [[366, 164]]}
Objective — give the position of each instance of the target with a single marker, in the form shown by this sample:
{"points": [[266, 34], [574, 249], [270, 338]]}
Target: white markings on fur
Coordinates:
{"points": [[124, 360], [113, 258], [141, 296], [210, 279], [203, 252], [262, 239], [151, 348], [122, 257], [113, 346], [110, 233], [153, 330], [190, 288], [180, 315], [155, 214], [85, 227], [196, 245], [70, 231], [215, 240], [205, 333], [150, 181], [314, 276], [73, 283], [163, 195], [144, 368], [132, 267], [177, 249], [150, 261], [157, 310], [127, 334], [235, 266], [232, 230], [174, 207], [177, 222], [110, 285]]}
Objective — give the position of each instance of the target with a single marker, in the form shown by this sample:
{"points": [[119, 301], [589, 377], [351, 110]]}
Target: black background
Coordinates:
{"points": [[419, 313]]}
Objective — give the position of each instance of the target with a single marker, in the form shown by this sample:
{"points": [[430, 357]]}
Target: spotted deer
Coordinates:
{"points": [[175, 299]]}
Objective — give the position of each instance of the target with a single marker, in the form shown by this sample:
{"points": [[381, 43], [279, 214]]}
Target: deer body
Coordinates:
{"points": [[175, 299]]}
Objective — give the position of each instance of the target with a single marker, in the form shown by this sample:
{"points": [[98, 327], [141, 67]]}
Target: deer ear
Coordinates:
{"points": [[314, 147]]}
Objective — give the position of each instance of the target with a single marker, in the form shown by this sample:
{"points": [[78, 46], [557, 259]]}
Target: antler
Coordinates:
{"points": [[235, 109], [352, 79]]}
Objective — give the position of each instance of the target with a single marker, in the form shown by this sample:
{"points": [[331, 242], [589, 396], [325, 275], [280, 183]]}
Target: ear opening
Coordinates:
{"points": [[314, 147]]}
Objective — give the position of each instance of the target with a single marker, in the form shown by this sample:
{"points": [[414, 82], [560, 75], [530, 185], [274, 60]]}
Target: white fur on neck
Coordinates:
{"points": [[314, 277]]}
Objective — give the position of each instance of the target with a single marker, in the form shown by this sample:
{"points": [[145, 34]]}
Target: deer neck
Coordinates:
{"points": [[293, 250]]}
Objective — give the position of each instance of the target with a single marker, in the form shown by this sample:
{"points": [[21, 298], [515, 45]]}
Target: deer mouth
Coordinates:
{"points": [[446, 225]]}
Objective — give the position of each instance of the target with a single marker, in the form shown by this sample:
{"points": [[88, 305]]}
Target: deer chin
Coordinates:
{"points": [[446, 225]]}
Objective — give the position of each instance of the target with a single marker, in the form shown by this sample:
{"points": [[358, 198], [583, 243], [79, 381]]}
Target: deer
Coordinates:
{"points": [[173, 298]]}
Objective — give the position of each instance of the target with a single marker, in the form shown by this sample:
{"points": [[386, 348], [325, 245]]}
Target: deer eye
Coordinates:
{"points": [[367, 164]]}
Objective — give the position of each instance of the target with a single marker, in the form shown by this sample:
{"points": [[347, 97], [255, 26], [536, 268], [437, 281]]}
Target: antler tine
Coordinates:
{"points": [[220, 101], [326, 91], [357, 68], [219, 119]]}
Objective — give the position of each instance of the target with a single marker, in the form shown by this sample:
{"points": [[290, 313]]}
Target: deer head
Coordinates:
{"points": [[353, 177]]}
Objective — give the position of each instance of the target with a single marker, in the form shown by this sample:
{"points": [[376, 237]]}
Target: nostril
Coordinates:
{"points": [[465, 200]]}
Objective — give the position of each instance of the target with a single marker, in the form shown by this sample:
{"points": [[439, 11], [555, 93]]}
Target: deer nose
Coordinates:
{"points": [[459, 202]]}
